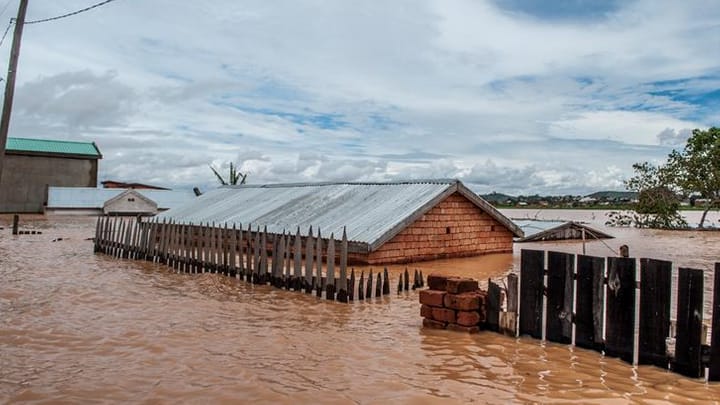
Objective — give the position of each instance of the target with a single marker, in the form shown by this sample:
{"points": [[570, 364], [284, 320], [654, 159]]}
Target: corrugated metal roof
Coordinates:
{"points": [[52, 146], [89, 197], [370, 211], [551, 230]]}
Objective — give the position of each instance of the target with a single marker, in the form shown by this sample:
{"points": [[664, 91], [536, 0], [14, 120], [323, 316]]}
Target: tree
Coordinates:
{"points": [[696, 169], [658, 205], [235, 177]]}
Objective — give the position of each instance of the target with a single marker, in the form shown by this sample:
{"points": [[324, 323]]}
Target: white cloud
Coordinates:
{"points": [[338, 90]]}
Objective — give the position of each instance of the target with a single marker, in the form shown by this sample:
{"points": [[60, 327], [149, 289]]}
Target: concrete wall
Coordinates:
{"points": [[453, 228], [25, 179]]}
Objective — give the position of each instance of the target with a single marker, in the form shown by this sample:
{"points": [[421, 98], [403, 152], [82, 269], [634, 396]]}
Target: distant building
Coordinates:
{"points": [[32, 165], [113, 201], [396, 222], [120, 184]]}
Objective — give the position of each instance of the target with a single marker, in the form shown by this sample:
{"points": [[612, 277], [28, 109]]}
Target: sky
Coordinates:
{"points": [[512, 96]]}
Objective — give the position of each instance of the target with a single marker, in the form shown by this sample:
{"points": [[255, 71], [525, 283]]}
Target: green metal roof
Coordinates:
{"points": [[51, 146]]}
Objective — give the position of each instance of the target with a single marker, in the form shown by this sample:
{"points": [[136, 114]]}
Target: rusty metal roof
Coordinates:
{"points": [[372, 213]]}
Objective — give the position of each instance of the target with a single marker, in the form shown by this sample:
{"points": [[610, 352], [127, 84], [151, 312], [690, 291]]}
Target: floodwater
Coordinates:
{"points": [[78, 327]]}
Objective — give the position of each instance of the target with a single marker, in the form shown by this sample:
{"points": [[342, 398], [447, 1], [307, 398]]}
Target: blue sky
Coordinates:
{"points": [[515, 96]]}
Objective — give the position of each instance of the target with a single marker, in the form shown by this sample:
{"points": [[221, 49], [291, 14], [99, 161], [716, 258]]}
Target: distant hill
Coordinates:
{"points": [[497, 197], [613, 195]]}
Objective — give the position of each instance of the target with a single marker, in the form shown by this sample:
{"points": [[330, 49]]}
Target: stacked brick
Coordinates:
{"points": [[453, 303]]}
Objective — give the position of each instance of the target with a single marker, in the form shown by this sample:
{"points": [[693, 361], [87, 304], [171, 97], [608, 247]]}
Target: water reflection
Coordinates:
{"points": [[76, 326]]}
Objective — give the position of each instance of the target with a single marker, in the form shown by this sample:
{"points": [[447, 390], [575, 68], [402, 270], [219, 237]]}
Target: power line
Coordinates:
{"points": [[102, 3], [6, 31]]}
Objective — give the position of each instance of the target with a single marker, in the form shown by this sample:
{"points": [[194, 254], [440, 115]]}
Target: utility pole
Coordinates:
{"points": [[10, 81]]}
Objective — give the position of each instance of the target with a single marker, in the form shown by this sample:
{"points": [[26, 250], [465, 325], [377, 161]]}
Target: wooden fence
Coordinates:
{"points": [[292, 262], [593, 303]]}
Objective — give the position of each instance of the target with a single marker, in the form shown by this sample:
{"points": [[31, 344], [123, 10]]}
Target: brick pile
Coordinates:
{"points": [[453, 303]]}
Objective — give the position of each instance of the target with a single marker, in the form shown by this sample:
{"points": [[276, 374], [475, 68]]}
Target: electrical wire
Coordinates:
{"points": [[6, 31], [102, 3]]}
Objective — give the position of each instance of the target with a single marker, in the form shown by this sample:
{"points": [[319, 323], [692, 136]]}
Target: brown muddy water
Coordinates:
{"points": [[76, 327]]}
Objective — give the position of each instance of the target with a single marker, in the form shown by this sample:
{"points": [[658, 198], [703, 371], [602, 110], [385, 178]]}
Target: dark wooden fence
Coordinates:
{"points": [[291, 262], [596, 299]]}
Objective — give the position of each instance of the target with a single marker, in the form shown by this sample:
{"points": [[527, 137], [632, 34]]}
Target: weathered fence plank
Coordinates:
{"points": [[590, 302], [532, 264], [492, 321], [319, 286], [714, 374], [620, 308], [361, 286], [309, 255], [330, 277], [342, 295], [560, 294], [655, 283], [689, 323]]}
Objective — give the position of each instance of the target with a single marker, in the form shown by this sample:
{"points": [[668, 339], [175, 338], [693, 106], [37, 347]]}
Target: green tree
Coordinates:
{"points": [[235, 177], [696, 169], [658, 205]]}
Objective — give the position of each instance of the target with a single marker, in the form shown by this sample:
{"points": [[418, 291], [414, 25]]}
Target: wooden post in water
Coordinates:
{"points": [[714, 372], [256, 257], [422, 280], [263, 257], [288, 263], [248, 255], [400, 284], [351, 286], [297, 268], [510, 324], [532, 286], [15, 224], [319, 285], [378, 285], [386, 282], [655, 289], [342, 295], [589, 302], [493, 307], [369, 285], [688, 353], [560, 295], [361, 286], [330, 278], [97, 232], [309, 253], [620, 309], [406, 283]]}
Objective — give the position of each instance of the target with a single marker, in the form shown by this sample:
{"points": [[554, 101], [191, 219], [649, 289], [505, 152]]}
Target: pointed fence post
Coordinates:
{"points": [[369, 285], [351, 286], [307, 284], [330, 278], [406, 283], [263, 257], [378, 285], [319, 286], [386, 282], [342, 294], [297, 270], [361, 286]]}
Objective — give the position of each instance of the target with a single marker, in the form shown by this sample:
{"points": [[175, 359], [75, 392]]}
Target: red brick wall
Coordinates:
{"points": [[471, 232]]}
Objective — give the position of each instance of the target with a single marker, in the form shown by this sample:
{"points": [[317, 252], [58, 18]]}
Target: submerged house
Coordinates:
{"points": [[394, 222], [31, 165], [542, 231], [113, 201]]}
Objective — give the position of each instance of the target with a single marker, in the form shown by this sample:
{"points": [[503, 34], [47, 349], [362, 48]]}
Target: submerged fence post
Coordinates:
{"points": [[714, 374], [590, 302], [620, 309], [342, 295], [688, 353], [307, 283], [655, 283], [319, 286], [330, 277], [560, 294], [532, 287]]}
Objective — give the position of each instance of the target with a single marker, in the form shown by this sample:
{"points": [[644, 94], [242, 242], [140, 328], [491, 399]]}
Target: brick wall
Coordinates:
{"points": [[453, 228]]}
